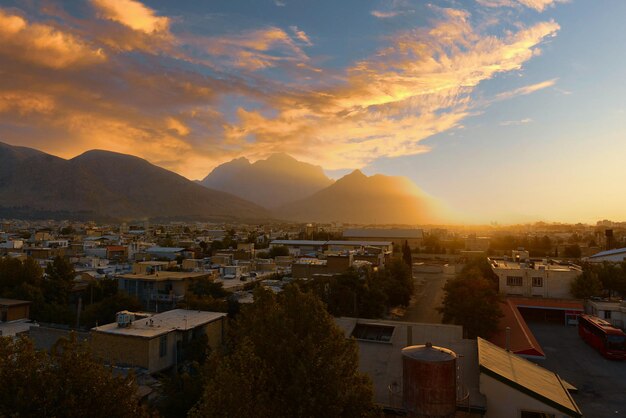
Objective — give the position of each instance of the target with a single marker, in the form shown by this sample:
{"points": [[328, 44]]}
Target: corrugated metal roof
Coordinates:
{"points": [[165, 249], [383, 233], [527, 377], [609, 252]]}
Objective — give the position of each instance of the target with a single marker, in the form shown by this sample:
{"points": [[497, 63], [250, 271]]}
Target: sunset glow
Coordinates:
{"points": [[505, 110]]}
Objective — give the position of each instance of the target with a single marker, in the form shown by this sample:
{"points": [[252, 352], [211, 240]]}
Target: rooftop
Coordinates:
{"points": [[163, 323], [165, 249], [522, 375], [160, 276], [609, 252], [383, 233], [522, 341], [498, 264], [13, 302]]}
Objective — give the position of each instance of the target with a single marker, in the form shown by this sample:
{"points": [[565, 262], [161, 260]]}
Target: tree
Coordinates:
{"points": [[103, 312], [471, 300], [406, 254], [572, 251], [280, 250], [65, 382], [288, 359], [586, 285]]}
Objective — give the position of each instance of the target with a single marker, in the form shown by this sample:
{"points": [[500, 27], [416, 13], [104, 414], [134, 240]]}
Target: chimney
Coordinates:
{"points": [[508, 339]]}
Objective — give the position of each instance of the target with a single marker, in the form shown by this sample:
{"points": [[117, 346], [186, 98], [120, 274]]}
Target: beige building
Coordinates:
{"points": [[414, 237], [160, 290], [545, 278], [157, 342]]}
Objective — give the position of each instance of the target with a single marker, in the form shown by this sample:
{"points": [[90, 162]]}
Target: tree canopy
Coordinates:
{"points": [[287, 358], [472, 300], [65, 382]]}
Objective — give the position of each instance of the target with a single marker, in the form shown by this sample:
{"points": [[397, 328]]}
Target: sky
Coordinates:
{"points": [[505, 110]]}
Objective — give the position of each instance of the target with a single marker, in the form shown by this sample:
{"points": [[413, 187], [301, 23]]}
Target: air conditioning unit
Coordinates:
{"points": [[124, 319]]}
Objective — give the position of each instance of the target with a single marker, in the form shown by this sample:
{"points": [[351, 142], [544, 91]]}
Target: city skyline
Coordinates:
{"points": [[506, 111]]}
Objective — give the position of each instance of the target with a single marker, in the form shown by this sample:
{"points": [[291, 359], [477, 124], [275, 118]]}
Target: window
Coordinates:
{"points": [[537, 281], [513, 281], [372, 332], [607, 314], [163, 346], [535, 414]]}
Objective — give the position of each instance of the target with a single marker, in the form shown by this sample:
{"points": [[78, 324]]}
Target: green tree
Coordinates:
{"points": [[471, 300], [65, 382], [572, 251], [59, 280], [406, 254], [280, 250], [103, 312], [288, 359], [586, 285]]}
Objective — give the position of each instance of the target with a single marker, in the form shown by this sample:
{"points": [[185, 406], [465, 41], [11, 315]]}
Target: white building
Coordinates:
{"points": [[612, 256], [613, 312], [547, 279]]}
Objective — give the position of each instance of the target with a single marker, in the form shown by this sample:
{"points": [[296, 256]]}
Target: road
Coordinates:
{"points": [[601, 382], [428, 296]]}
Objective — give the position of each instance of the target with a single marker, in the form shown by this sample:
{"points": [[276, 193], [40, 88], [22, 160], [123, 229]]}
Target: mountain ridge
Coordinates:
{"points": [[103, 184], [270, 182]]}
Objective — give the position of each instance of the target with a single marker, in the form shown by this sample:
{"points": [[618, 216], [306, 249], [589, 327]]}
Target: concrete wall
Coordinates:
{"points": [[555, 283], [121, 349], [45, 337], [504, 401]]}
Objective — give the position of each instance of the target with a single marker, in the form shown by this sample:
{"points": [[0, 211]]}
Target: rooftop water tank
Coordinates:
{"points": [[429, 381]]}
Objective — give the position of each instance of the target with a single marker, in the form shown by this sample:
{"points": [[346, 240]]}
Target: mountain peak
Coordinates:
{"points": [[280, 157]]}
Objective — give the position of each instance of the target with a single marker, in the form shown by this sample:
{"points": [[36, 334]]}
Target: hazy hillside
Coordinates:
{"points": [[357, 198], [278, 180], [102, 184]]}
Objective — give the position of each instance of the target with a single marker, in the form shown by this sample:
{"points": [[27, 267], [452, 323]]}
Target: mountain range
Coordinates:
{"points": [[271, 183], [107, 185], [103, 185]]}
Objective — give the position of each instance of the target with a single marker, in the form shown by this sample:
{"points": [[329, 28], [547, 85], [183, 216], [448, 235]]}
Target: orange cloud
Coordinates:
{"points": [[257, 49], [418, 86], [44, 45], [174, 114], [538, 5], [133, 14]]}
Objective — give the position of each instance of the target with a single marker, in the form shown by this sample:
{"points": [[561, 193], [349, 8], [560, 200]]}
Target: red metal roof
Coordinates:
{"points": [[546, 303], [522, 340]]}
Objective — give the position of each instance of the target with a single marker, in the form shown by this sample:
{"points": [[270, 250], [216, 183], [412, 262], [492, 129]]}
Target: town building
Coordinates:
{"points": [[613, 312], [459, 377], [159, 290], [617, 255], [535, 278], [158, 342], [414, 237]]}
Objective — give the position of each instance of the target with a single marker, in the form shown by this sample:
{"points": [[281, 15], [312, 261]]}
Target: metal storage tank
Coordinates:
{"points": [[429, 381]]}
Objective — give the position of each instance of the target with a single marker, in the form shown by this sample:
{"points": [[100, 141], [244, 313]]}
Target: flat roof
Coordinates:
{"points": [[163, 323], [161, 276], [514, 265], [529, 378], [297, 242], [13, 302], [165, 249], [360, 243]]}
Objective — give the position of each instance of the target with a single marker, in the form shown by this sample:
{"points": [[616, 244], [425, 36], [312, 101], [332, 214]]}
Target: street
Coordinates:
{"points": [[428, 296]]}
